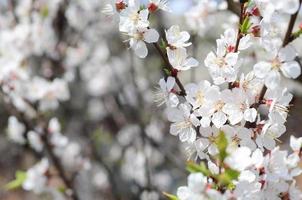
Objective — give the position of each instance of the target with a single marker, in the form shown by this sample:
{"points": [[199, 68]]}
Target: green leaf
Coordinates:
{"points": [[222, 144], [227, 178], [162, 44], [44, 11], [20, 178], [246, 25], [170, 196], [167, 71], [61, 189], [297, 34], [195, 168]]}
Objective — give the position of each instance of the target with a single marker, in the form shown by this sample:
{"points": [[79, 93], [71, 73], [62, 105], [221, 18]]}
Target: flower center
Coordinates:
{"points": [[219, 105], [200, 97], [220, 62], [276, 64]]}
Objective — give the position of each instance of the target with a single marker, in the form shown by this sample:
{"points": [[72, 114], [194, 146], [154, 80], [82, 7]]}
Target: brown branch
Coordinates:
{"points": [[44, 136], [58, 165], [288, 36], [171, 69]]}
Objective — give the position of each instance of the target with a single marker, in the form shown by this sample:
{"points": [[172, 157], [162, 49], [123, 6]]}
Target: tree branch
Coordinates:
{"points": [[166, 61]]}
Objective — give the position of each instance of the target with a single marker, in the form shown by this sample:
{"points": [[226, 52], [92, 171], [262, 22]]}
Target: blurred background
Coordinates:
{"points": [[110, 114]]}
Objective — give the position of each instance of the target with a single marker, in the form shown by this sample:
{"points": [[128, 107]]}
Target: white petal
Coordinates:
{"points": [[291, 69], [261, 69], [170, 83], [190, 62], [250, 114], [219, 119], [173, 100], [287, 53], [231, 59], [140, 49], [273, 79], [290, 6], [151, 36]]}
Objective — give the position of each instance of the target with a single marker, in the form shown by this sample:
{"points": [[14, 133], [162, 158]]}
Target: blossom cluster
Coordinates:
{"points": [[248, 111]]}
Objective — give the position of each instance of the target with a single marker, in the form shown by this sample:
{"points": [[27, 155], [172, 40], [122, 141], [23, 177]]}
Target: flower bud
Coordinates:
{"points": [[120, 5], [152, 7]]}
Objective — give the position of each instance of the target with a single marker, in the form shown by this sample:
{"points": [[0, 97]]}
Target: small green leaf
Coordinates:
{"points": [[246, 25], [222, 144], [20, 178], [142, 7], [227, 178], [163, 44], [167, 71], [170, 196], [195, 168], [297, 34], [44, 11], [61, 189]]}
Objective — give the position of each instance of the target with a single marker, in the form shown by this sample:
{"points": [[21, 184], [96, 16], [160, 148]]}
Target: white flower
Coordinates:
{"points": [[239, 159], [194, 191], [283, 62], [213, 110], [278, 100], [177, 38], [179, 60], [206, 145], [198, 95], [165, 93], [229, 38], [35, 177], [35, 141], [184, 123], [271, 131], [16, 130], [296, 143], [238, 108], [246, 190], [138, 38], [132, 17], [239, 136], [276, 166], [201, 17], [222, 65], [267, 8]]}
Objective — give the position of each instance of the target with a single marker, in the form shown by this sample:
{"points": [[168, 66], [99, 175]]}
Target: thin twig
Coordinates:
{"points": [[288, 36], [166, 61]]}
